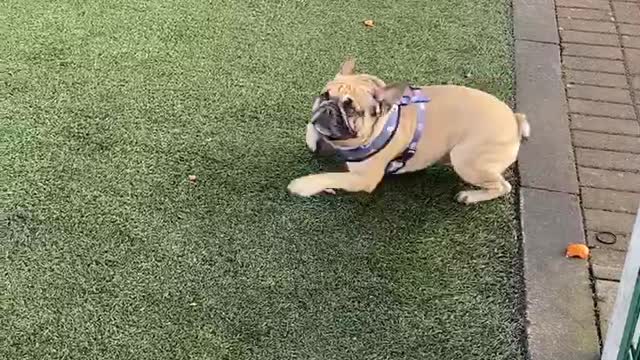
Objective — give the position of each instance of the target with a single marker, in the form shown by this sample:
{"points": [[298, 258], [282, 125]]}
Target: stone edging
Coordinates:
{"points": [[561, 321]]}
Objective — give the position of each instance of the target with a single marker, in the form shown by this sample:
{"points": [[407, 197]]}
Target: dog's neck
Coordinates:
{"points": [[375, 130], [385, 129], [380, 124]]}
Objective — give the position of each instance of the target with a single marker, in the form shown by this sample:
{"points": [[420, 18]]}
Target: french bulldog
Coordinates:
{"points": [[384, 129]]}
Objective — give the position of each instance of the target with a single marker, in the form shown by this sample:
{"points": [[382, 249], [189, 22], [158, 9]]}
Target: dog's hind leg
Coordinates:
{"points": [[492, 186], [484, 172]]}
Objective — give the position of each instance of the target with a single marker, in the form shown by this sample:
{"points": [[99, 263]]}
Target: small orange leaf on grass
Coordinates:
{"points": [[369, 23], [578, 250]]}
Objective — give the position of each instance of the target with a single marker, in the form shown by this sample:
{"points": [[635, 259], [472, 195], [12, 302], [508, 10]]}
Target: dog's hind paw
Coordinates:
{"points": [[465, 197]]}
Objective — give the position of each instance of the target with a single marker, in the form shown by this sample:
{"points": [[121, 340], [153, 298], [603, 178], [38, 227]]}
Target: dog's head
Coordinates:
{"points": [[350, 105]]}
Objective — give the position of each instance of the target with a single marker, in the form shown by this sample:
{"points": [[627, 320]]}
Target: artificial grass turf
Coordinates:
{"points": [[109, 252]]}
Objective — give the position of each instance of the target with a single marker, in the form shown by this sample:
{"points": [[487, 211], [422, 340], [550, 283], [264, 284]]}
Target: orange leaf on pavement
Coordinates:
{"points": [[578, 250]]}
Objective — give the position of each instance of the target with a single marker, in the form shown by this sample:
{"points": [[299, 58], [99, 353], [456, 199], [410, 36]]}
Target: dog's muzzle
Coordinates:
{"points": [[330, 121]]}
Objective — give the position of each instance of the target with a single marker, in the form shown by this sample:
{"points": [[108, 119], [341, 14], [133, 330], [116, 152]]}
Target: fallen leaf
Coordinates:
{"points": [[369, 23], [577, 251]]}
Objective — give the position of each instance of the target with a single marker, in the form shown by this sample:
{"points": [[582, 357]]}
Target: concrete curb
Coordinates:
{"points": [[561, 320]]}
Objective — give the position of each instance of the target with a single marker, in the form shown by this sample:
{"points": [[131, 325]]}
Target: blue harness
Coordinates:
{"points": [[363, 152]]}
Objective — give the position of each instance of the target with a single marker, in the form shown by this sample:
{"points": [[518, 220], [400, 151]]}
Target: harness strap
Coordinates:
{"points": [[399, 162], [364, 152]]}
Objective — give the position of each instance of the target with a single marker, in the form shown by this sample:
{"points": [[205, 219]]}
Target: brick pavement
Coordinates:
{"points": [[600, 48]]}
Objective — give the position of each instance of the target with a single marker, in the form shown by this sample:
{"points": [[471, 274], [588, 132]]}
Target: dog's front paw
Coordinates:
{"points": [[307, 186]]}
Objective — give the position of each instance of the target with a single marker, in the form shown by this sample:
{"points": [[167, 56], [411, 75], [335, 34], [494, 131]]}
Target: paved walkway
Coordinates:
{"points": [[600, 47], [578, 81]]}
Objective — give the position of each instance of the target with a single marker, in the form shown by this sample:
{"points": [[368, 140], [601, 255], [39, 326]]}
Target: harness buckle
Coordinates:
{"points": [[395, 165], [406, 155]]}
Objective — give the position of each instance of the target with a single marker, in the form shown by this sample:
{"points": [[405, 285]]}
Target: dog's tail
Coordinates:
{"points": [[523, 125]]}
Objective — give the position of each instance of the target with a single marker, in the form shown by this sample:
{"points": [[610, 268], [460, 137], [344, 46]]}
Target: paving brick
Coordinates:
{"points": [[589, 4], [595, 78], [627, 12], [606, 141], [606, 291], [610, 200], [586, 25], [610, 179], [583, 63], [596, 108], [591, 38], [603, 52], [607, 264], [629, 29], [588, 14], [620, 241], [599, 93], [614, 126], [608, 159], [631, 41], [600, 220], [545, 162], [632, 58], [635, 82]]}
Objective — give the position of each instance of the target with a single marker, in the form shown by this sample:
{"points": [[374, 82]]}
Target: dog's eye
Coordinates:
{"points": [[352, 112], [350, 109], [374, 111]]}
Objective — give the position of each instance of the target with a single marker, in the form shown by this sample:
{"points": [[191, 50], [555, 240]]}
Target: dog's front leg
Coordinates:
{"points": [[349, 181]]}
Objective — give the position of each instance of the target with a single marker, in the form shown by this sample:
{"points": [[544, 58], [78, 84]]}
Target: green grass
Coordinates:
{"points": [[107, 251]]}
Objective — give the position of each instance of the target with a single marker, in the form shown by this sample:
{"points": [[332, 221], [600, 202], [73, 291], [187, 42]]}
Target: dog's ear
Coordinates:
{"points": [[348, 66], [390, 94]]}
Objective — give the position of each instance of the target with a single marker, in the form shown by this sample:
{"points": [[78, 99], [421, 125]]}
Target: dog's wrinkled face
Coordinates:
{"points": [[348, 108], [334, 118]]}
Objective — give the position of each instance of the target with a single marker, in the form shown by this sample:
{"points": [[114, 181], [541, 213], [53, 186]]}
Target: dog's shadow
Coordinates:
{"points": [[406, 209]]}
